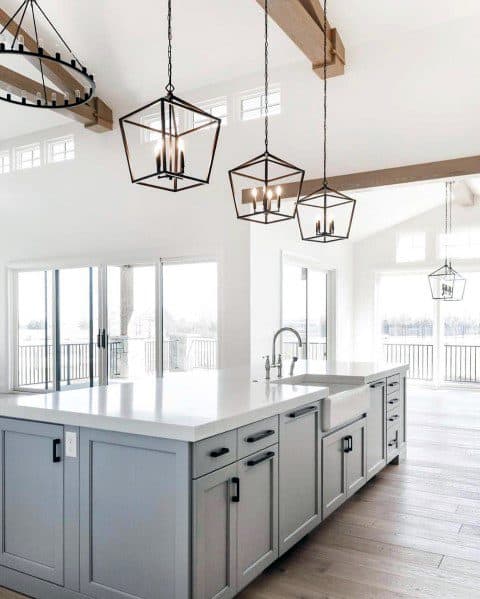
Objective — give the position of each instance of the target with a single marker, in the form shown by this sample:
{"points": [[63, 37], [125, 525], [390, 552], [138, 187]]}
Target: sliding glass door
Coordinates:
{"points": [[304, 308], [87, 326], [189, 315], [132, 322]]}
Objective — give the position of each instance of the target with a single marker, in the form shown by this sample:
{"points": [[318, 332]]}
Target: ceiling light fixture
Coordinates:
{"points": [[446, 283], [326, 214], [170, 144], [63, 81], [258, 184]]}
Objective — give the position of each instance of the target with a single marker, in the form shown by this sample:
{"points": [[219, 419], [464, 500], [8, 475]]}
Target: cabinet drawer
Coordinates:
{"points": [[393, 441], [393, 383], [214, 453], [257, 436], [394, 416], [393, 402]]}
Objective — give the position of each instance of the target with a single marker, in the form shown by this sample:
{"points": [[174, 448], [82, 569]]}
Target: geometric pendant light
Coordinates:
{"points": [[446, 283], [36, 73], [326, 214], [258, 184], [170, 143]]}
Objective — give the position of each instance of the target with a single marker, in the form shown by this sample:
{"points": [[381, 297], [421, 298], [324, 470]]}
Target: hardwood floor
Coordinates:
{"points": [[414, 531]]}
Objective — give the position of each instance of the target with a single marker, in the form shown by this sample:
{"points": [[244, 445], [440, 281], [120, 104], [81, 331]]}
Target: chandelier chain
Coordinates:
{"points": [[325, 92], [266, 77], [170, 87]]}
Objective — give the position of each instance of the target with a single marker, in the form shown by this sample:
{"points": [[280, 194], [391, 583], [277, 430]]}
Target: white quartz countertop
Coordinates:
{"points": [[185, 406]]}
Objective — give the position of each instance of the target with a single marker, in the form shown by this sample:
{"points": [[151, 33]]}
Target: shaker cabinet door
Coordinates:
{"points": [[334, 475], [300, 504], [356, 468], [257, 524], [376, 429], [214, 529], [32, 498]]}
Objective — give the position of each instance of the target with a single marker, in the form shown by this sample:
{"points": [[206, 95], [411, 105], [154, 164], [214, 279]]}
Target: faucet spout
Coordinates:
{"points": [[279, 332]]}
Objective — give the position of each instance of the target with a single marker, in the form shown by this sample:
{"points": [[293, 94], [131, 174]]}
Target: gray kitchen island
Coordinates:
{"points": [[187, 486]]}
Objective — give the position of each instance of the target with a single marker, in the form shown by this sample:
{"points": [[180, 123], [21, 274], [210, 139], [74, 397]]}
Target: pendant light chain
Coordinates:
{"points": [[266, 76], [170, 87], [325, 92]]}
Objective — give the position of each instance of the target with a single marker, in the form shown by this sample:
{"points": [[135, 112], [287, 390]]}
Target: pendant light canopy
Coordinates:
{"points": [[446, 283], [258, 184], [170, 144], [32, 40], [325, 215]]}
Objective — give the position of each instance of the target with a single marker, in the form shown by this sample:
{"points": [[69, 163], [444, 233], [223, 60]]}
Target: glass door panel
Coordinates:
{"points": [[190, 334], [34, 352], [294, 307], [317, 315], [406, 314], [460, 354], [131, 310], [77, 326]]}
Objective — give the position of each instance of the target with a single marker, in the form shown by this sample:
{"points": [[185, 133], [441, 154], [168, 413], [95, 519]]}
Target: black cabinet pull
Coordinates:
{"points": [[216, 453], [56, 444], [392, 443], [393, 401], [302, 412], [394, 384], [236, 482], [260, 459], [379, 384], [259, 436], [393, 418], [349, 444]]}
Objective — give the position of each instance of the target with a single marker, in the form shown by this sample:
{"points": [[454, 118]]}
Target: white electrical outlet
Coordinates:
{"points": [[70, 445]]}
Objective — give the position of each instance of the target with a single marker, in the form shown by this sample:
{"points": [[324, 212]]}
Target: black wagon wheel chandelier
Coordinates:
{"points": [[19, 49], [169, 143], [445, 282], [325, 215], [258, 184]]}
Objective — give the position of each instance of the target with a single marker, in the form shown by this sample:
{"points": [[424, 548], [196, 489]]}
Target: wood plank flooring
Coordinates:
{"points": [[414, 531]]}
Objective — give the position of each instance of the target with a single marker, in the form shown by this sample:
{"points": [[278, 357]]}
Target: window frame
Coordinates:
{"points": [[32, 147], [5, 154], [330, 309], [259, 92], [49, 143], [209, 105], [412, 246]]}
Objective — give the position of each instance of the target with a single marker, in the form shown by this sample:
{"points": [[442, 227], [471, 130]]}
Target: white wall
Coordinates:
{"points": [[377, 254]]}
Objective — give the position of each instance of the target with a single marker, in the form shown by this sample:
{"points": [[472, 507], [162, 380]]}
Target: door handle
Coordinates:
{"points": [[302, 412], [262, 458], [99, 339], [104, 338], [56, 445], [236, 482], [259, 436], [216, 453]]}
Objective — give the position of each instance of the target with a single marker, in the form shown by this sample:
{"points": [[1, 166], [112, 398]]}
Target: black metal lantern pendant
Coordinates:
{"points": [[325, 215], [446, 283], [170, 144], [258, 184], [19, 51]]}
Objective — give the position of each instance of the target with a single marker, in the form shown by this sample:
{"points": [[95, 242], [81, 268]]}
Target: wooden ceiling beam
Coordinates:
{"points": [[414, 173], [95, 114], [303, 22]]}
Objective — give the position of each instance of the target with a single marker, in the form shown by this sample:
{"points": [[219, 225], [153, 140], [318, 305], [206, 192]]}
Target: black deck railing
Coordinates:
{"points": [[461, 363], [35, 362], [183, 353]]}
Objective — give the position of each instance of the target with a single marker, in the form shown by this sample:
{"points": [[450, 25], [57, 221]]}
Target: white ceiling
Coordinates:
{"points": [[123, 43]]}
